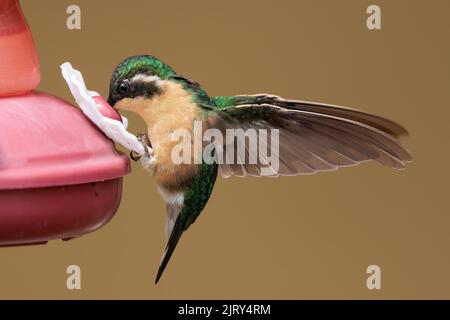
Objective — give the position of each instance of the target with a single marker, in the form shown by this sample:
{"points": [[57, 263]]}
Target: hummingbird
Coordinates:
{"points": [[313, 137]]}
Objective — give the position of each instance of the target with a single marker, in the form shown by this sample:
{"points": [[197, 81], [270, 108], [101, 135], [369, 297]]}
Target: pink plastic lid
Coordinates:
{"points": [[46, 141]]}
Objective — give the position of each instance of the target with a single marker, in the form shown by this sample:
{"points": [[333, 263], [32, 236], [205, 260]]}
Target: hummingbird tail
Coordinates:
{"points": [[177, 231]]}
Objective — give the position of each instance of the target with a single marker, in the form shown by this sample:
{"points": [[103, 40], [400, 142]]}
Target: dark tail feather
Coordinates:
{"points": [[177, 231]]}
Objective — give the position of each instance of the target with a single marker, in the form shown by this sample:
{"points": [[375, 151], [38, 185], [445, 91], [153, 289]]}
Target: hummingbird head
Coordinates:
{"points": [[136, 81]]}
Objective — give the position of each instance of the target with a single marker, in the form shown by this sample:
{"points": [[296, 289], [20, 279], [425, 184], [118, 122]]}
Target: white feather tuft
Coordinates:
{"points": [[146, 78], [174, 202]]}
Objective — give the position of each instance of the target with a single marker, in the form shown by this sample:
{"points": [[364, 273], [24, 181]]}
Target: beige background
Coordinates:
{"points": [[303, 237]]}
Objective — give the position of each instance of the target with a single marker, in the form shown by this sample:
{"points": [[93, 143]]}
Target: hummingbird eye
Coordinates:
{"points": [[123, 87]]}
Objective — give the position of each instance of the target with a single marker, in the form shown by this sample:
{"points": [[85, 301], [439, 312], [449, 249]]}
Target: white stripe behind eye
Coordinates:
{"points": [[146, 78]]}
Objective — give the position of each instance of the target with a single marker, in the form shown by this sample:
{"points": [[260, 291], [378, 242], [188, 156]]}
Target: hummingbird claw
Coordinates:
{"points": [[134, 156]]}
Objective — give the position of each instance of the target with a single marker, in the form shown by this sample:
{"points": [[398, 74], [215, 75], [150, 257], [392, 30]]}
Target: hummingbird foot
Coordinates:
{"points": [[148, 160], [144, 141]]}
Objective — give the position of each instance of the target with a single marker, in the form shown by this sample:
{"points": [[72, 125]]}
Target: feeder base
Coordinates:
{"points": [[36, 215]]}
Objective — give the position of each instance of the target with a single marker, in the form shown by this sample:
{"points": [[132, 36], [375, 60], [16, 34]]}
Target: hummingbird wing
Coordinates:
{"points": [[179, 218], [312, 137]]}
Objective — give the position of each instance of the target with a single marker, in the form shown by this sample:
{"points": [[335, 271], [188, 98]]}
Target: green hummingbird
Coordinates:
{"points": [[313, 137]]}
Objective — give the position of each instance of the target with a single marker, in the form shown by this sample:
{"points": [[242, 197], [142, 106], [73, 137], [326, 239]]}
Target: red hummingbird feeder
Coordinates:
{"points": [[60, 176]]}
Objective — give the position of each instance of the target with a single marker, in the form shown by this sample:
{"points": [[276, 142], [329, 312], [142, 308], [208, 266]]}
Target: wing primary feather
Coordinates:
{"points": [[372, 120]]}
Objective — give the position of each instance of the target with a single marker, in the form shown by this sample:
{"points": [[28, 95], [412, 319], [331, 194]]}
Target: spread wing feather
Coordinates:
{"points": [[312, 137]]}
